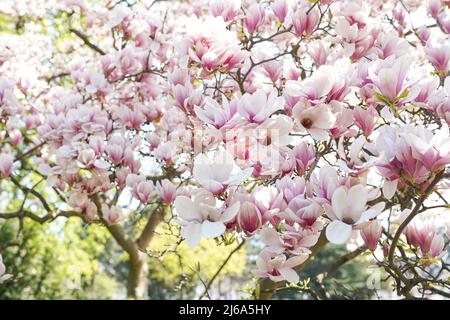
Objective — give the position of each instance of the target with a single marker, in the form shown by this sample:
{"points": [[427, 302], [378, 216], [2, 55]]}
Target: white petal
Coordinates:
{"points": [[239, 177], [186, 209], [339, 202], [270, 237], [371, 213], [212, 229], [357, 199], [389, 188], [289, 274], [192, 233], [295, 261], [231, 212], [318, 134], [338, 232]]}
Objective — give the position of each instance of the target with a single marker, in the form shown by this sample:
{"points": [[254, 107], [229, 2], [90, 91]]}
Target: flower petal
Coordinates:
{"points": [[187, 209], [212, 229], [289, 274], [338, 232]]}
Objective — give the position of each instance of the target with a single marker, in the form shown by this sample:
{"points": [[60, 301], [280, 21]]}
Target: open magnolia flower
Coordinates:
{"points": [[274, 265], [316, 120], [199, 217], [219, 171], [349, 211]]}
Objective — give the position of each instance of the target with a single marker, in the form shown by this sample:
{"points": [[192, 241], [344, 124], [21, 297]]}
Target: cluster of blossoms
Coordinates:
{"points": [[288, 120]]}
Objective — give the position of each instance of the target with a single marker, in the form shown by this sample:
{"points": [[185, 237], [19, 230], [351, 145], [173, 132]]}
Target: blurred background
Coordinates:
{"points": [[72, 260]]}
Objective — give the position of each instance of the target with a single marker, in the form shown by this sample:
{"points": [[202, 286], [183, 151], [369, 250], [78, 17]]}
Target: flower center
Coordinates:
{"points": [[307, 123], [348, 220]]}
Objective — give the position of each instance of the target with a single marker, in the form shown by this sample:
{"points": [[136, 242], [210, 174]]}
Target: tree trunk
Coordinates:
{"points": [[138, 277]]}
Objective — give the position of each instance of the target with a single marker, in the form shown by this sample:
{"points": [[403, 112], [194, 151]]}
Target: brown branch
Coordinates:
{"points": [[86, 41], [341, 261], [117, 232], [49, 217], [156, 217], [411, 216]]}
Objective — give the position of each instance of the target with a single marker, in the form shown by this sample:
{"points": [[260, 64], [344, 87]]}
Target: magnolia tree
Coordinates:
{"points": [[301, 124]]}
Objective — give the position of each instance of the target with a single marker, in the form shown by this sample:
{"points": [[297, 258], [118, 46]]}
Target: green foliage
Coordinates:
{"points": [[176, 273], [54, 261]]}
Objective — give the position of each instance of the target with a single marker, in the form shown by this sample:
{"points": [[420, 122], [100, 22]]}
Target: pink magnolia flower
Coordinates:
{"points": [[434, 7], [141, 188], [315, 120], [423, 234], [304, 155], [390, 79], [254, 18], [371, 234], [228, 9], [319, 52], [200, 217], [439, 56], [79, 200], [349, 210], [277, 267], [365, 119], [293, 239], [249, 219], [215, 173], [411, 153], [113, 214], [432, 150], [325, 183], [3, 276], [257, 107], [166, 190], [304, 211], [270, 202], [6, 164], [214, 114], [424, 34], [280, 9], [291, 188], [305, 22]]}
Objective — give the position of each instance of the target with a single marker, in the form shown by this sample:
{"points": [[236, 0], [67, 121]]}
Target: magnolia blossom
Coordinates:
{"points": [[277, 267], [141, 189], [166, 190], [113, 214], [257, 107], [315, 120], [200, 217], [390, 78], [249, 219], [6, 164], [215, 173], [349, 210], [422, 234], [214, 114], [254, 17], [371, 234]]}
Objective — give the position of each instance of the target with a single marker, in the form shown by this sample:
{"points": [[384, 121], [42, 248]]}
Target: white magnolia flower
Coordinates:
{"points": [[349, 210], [215, 173], [315, 120], [201, 218]]}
